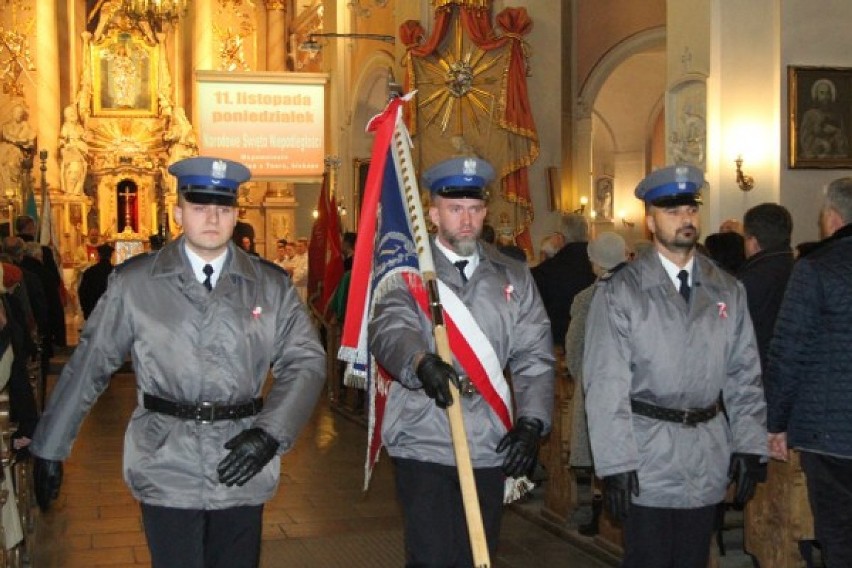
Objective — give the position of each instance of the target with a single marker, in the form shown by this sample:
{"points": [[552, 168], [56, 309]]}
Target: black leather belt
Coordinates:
{"points": [[689, 416], [202, 411]]}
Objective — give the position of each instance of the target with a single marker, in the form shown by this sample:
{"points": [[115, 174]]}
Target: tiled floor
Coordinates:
{"points": [[320, 517]]}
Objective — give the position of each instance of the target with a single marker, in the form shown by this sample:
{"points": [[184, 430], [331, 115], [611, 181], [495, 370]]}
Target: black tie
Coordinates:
{"points": [[208, 271], [460, 264], [683, 275]]}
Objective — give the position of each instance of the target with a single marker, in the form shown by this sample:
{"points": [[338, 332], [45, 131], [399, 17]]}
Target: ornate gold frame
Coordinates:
{"points": [[830, 146], [143, 61]]}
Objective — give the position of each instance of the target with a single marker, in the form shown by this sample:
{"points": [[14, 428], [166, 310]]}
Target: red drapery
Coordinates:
{"points": [[325, 256], [517, 116]]}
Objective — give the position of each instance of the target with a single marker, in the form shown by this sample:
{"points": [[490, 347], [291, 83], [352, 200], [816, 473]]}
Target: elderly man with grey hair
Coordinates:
{"points": [[550, 245], [809, 375], [561, 277]]}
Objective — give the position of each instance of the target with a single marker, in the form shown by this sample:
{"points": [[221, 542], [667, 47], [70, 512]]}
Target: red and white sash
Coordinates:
{"points": [[470, 347]]}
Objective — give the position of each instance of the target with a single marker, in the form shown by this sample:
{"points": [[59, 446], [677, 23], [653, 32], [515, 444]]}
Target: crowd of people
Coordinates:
{"points": [[694, 364]]}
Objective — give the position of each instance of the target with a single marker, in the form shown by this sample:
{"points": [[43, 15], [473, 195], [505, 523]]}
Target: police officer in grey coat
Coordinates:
{"points": [[669, 344], [501, 298], [204, 321]]}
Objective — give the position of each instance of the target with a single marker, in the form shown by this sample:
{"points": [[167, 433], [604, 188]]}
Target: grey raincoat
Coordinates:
{"points": [[189, 346], [644, 342], [519, 331]]}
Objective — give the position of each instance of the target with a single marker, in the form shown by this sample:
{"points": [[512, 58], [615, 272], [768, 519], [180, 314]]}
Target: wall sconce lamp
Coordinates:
{"points": [[625, 221], [745, 183], [581, 210], [311, 45]]}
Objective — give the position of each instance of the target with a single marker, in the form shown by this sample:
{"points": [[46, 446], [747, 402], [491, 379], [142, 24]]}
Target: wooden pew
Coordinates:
{"points": [[10, 522], [560, 497], [779, 516]]}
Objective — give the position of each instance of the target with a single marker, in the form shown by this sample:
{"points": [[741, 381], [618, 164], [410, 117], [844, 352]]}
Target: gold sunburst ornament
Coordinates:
{"points": [[458, 86]]}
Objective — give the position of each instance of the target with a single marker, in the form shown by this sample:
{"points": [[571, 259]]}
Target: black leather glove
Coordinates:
{"points": [[47, 478], [619, 490], [522, 444], [746, 471], [251, 450], [436, 375]]}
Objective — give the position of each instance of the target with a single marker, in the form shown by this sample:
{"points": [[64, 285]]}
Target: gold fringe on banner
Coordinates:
{"points": [[483, 4]]}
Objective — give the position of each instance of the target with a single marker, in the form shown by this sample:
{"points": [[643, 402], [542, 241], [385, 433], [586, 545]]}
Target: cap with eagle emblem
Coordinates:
{"points": [[464, 177], [672, 186], [202, 179]]}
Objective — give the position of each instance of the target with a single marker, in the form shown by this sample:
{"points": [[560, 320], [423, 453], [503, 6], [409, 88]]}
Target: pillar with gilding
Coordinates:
{"points": [[276, 35], [47, 94], [202, 54], [276, 60]]}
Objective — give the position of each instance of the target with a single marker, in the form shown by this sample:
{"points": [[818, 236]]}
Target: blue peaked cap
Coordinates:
{"points": [[459, 178], [202, 179], [672, 185]]}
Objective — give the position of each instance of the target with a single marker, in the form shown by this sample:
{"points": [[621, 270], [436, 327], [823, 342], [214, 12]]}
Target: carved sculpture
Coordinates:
{"points": [[17, 144], [179, 138], [73, 152]]}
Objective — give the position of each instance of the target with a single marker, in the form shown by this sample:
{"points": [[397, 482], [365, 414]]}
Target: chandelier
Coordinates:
{"points": [[158, 13]]}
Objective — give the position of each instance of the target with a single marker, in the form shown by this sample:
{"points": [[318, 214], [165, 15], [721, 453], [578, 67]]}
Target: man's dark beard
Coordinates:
{"points": [[680, 243]]}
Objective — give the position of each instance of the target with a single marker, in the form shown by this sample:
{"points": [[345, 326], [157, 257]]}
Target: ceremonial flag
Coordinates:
{"points": [[45, 222], [325, 252], [384, 248], [31, 209]]}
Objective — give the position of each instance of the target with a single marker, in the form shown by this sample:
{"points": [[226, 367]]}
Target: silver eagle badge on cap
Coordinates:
{"points": [[218, 169], [469, 167], [681, 176]]}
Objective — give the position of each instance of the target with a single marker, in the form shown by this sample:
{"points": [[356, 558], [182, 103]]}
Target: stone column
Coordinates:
{"points": [[47, 95]]}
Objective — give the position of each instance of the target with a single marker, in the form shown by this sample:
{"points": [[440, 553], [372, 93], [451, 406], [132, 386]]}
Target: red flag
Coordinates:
{"points": [[325, 254]]}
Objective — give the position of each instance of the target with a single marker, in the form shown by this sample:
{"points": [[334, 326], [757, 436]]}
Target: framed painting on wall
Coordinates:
{"points": [[125, 77], [820, 117], [603, 198]]}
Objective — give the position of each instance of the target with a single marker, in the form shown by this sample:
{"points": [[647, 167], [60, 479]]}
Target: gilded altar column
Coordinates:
{"points": [[276, 60], [47, 94], [276, 35], [202, 55]]}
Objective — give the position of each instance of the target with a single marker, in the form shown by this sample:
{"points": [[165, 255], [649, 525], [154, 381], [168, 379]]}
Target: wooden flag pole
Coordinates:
{"points": [[401, 147]]}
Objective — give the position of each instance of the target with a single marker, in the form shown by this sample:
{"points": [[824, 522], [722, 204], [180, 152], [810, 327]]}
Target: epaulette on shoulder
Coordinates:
{"points": [[269, 263], [133, 259]]}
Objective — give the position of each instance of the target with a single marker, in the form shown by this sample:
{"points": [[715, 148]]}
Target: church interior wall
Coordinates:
{"points": [[602, 24], [816, 36], [742, 115]]}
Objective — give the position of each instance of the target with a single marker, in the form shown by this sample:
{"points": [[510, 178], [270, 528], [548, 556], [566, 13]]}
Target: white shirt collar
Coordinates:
{"points": [[198, 264], [673, 269], [472, 261]]}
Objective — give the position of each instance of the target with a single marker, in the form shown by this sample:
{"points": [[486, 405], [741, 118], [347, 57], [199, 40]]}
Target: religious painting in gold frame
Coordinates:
{"points": [[820, 117], [124, 70]]}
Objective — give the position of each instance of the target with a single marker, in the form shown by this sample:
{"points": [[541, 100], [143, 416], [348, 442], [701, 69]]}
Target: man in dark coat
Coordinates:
{"points": [[561, 277], [51, 280], [809, 377], [93, 283], [769, 261]]}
